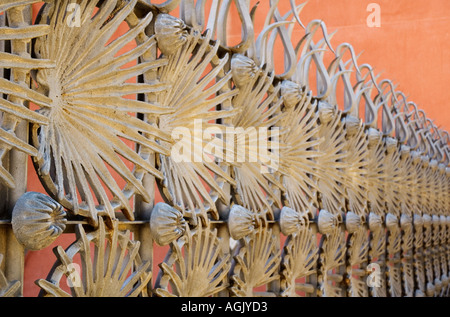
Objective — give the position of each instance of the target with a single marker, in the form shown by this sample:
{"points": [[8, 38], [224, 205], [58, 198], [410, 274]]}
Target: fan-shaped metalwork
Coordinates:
{"points": [[299, 153], [256, 263], [109, 97], [357, 255], [299, 262], [115, 271], [92, 129], [356, 169], [191, 167], [332, 162], [258, 109], [375, 173], [195, 266], [331, 258]]}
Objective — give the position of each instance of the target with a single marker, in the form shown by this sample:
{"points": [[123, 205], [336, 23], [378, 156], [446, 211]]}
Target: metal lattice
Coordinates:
{"points": [[271, 186]]}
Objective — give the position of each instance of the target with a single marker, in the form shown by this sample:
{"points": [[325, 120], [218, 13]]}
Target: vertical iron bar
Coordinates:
{"points": [[15, 253], [142, 209]]}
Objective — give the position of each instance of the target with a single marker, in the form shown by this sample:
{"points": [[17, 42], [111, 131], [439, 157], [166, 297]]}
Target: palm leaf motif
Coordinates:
{"points": [[378, 235], [419, 271], [259, 109], [393, 177], [377, 251], [432, 192], [115, 271], [419, 183], [332, 256], [435, 199], [256, 263], [299, 261], [436, 258], [356, 169], [428, 256], [445, 188], [92, 127], [7, 289], [407, 182], [375, 173], [407, 254], [427, 184], [191, 71], [299, 154], [195, 266], [442, 196], [357, 254], [358, 247], [395, 281], [408, 279], [14, 109], [332, 163], [377, 244]]}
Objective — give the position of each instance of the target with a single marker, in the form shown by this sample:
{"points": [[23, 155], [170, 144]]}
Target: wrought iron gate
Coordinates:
{"points": [[272, 186]]}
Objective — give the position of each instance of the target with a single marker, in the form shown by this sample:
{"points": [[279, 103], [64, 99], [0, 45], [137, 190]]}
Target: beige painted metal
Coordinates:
{"points": [[354, 206]]}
